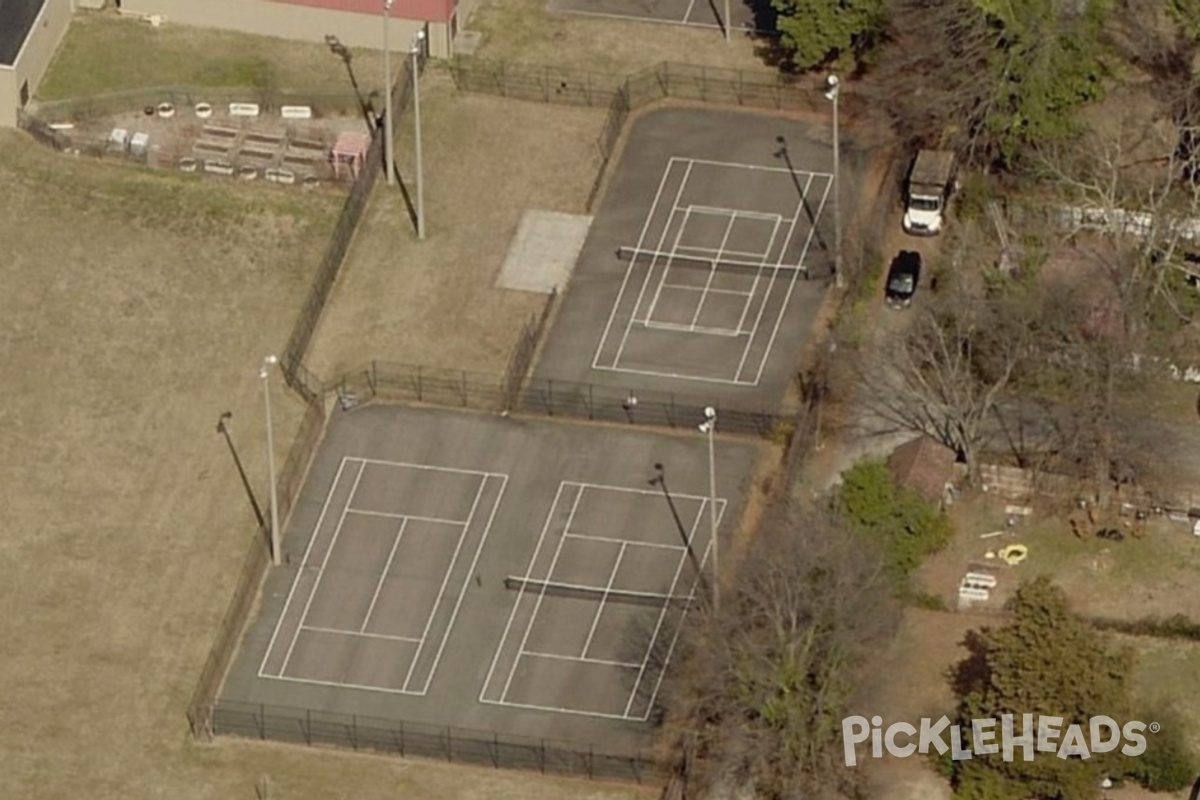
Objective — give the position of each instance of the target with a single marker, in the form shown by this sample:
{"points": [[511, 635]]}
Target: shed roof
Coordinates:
{"points": [[16, 20], [923, 465]]}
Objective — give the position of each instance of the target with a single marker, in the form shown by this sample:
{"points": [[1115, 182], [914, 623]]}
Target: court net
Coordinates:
{"points": [[688, 259], [576, 592]]}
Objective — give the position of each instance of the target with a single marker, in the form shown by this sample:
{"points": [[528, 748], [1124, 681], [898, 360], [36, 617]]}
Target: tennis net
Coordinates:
{"points": [[688, 259], [576, 592]]}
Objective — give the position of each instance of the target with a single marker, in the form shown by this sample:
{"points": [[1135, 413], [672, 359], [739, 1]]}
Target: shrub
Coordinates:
{"points": [[1167, 765]]}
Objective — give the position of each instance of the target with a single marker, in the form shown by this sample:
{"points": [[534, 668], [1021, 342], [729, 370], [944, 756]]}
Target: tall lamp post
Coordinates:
{"points": [[418, 39], [709, 427], [264, 372], [832, 90], [728, 23], [389, 159]]}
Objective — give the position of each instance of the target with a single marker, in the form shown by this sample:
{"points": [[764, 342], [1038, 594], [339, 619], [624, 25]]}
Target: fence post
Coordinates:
{"points": [[591, 403], [591, 775], [401, 731], [546, 83], [374, 380], [464, 388], [354, 731], [449, 745], [420, 393], [542, 755], [308, 726], [703, 82], [262, 721], [549, 402], [496, 751]]}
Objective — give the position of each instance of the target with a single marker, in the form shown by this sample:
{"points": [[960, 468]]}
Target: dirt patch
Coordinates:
{"points": [[433, 302]]}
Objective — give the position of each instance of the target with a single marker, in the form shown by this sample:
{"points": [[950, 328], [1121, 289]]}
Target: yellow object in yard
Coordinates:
{"points": [[1014, 554]]}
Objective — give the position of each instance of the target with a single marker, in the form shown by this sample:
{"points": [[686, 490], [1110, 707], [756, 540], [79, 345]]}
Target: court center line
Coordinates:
{"points": [[337, 479], [602, 662], [611, 540], [633, 263], [321, 571], [487, 681], [766, 297], [688, 13], [791, 286], [383, 577], [757, 277], [712, 271], [462, 536], [458, 523], [729, 333], [385, 636], [463, 589], [612, 576], [710, 253], [762, 216], [541, 596], [341, 685], [650, 271], [666, 268]]}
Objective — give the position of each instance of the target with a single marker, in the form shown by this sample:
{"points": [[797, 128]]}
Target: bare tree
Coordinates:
{"points": [[946, 374], [759, 702]]}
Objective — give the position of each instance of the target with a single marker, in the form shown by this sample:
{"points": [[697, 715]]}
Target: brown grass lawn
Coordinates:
{"points": [[486, 161], [522, 31], [137, 307]]}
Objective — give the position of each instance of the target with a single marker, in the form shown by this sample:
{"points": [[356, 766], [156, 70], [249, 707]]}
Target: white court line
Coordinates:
{"points": [[712, 270], [755, 167], [602, 662], [445, 580], [300, 572], [425, 467], [766, 298], [462, 590], [758, 273], [650, 271], [612, 576], [662, 612], [487, 681], [726, 212], [791, 286], [729, 333], [681, 287], [666, 268], [688, 13], [321, 571], [610, 540], [458, 523], [674, 375], [383, 577], [339, 684], [538, 605], [629, 271], [561, 710], [605, 487], [340, 632]]}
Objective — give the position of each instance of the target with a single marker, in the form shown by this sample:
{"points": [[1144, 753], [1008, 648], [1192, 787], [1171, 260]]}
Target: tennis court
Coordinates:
{"points": [[525, 577], [696, 13], [706, 262], [602, 602], [707, 286]]}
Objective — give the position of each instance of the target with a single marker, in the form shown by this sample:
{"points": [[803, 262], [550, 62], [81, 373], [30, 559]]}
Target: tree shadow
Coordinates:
{"points": [[972, 672]]}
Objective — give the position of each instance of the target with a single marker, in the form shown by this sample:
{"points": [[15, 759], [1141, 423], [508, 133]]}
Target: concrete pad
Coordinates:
{"points": [[543, 252]]}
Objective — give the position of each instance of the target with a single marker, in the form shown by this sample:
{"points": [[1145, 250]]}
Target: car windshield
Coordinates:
{"points": [[925, 204], [901, 284]]}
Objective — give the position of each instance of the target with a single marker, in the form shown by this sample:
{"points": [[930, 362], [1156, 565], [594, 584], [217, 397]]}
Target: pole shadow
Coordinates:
{"points": [[365, 104], [784, 154], [660, 480], [223, 429]]}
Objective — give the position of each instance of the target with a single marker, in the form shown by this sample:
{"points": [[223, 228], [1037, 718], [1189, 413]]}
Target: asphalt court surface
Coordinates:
{"points": [[508, 575], [699, 13], [707, 259]]}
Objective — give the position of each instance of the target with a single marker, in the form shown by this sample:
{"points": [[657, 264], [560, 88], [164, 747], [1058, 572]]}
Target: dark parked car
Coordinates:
{"points": [[902, 279]]}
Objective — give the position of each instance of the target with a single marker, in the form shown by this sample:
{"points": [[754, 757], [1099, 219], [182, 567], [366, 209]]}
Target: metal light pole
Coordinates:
{"points": [[709, 426], [832, 90], [418, 38], [389, 141], [728, 23], [264, 372]]}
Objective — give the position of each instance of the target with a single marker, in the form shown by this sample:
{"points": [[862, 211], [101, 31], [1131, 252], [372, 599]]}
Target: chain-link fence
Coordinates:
{"points": [[297, 377], [525, 350], [254, 567], [413, 383], [460, 745], [181, 97]]}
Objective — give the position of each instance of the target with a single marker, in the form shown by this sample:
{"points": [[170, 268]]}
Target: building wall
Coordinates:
{"points": [[299, 22], [31, 63]]}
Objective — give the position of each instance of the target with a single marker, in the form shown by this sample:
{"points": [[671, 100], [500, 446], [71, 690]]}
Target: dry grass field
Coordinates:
{"points": [[136, 309], [486, 161], [522, 31]]}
